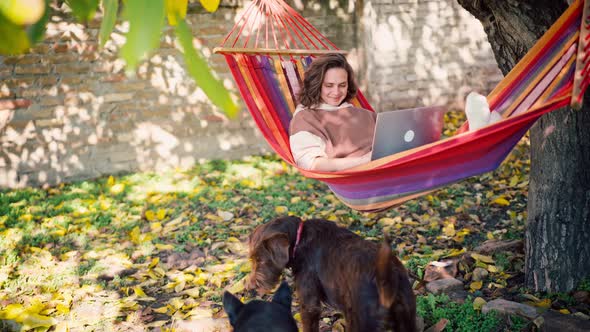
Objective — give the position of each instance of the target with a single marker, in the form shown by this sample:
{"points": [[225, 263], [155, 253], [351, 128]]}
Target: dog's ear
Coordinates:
{"points": [[283, 296], [395, 291], [260, 230], [232, 306], [277, 245], [385, 280]]}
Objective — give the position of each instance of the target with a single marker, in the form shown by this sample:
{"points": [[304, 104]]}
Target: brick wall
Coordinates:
{"points": [[87, 118]]}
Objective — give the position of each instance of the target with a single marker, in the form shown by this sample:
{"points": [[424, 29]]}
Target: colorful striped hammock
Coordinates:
{"points": [[271, 45]]}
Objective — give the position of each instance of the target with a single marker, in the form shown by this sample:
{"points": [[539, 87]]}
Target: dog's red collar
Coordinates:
{"points": [[298, 238]]}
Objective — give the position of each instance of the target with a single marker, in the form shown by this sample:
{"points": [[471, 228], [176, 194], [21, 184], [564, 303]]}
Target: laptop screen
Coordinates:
{"points": [[400, 130]]}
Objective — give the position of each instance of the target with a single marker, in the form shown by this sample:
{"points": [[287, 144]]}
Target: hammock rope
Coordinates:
{"points": [[277, 44]]}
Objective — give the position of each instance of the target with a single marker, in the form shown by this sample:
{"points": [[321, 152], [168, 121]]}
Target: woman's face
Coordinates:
{"points": [[334, 86]]}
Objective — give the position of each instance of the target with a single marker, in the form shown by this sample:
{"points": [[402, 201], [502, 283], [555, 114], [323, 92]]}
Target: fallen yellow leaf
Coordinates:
{"points": [[545, 303], [180, 286], [156, 227], [198, 312], [12, 311], [117, 188], [150, 215], [161, 310], [32, 320], [483, 258], [62, 309], [134, 235], [459, 239], [238, 286], [476, 285], [245, 267], [496, 285], [455, 252], [176, 302], [192, 292], [202, 279], [530, 297], [281, 209], [449, 230], [139, 291], [129, 303], [161, 246], [59, 232], [26, 217], [478, 303], [154, 262], [104, 205], [501, 201]]}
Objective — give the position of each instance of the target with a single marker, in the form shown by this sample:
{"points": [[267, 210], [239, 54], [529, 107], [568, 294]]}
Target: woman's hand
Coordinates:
{"points": [[366, 158], [338, 164]]}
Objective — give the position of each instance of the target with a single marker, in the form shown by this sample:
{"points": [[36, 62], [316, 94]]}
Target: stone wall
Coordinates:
{"points": [[424, 52], [87, 118]]}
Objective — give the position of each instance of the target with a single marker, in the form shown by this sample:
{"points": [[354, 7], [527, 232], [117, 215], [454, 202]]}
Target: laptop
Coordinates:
{"points": [[400, 130]]}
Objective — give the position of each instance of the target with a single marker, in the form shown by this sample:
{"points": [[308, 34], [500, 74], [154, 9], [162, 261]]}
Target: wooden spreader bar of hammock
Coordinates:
{"points": [[273, 51]]}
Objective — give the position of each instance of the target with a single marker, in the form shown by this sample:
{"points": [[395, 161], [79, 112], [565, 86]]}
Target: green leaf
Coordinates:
{"points": [[13, 38], [109, 9], [146, 20], [199, 70], [83, 10], [37, 31]]}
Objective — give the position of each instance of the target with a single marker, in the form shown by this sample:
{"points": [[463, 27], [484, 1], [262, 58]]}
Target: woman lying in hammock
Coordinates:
{"points": [[328, 133]]}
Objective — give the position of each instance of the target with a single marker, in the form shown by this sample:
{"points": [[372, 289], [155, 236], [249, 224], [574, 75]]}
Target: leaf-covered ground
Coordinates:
{"points": [[155, 251]]}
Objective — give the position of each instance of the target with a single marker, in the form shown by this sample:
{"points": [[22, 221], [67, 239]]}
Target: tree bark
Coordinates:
{"points": [[557, 239]]}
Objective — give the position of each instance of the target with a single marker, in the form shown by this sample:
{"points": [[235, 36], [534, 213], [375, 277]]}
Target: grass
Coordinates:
{"points": [[461, 317], [584, 285]]}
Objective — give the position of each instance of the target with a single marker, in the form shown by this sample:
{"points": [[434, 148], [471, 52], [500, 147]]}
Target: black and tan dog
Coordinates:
{"points": [[256, 315], [333, 265]]}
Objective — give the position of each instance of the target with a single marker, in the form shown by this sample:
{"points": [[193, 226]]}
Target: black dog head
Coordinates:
{"points": [[259, 315]]}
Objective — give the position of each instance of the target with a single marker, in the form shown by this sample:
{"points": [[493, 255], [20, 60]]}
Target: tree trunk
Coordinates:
{"points": [[558, 223]]}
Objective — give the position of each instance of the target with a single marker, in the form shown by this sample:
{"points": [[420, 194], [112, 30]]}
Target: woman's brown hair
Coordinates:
{"points": [[310, 94]]}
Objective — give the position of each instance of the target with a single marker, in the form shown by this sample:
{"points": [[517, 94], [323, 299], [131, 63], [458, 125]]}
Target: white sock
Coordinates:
{"points": [[495, 117], [477, 111]]}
